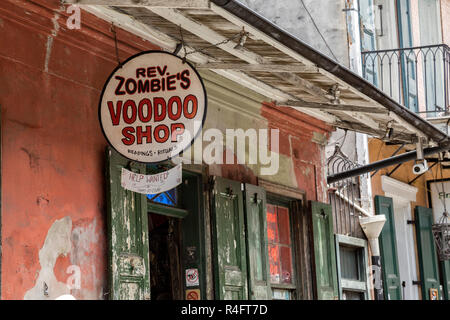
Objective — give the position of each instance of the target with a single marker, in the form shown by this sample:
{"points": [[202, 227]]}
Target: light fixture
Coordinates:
{"points": [[389, 131], [243, 37]]}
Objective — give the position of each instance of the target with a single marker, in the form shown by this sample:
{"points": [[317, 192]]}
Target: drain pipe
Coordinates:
{"points": [[372, 227]]}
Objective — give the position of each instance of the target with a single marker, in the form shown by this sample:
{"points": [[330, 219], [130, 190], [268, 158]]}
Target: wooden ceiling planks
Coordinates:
{"points": [[203, 29]]}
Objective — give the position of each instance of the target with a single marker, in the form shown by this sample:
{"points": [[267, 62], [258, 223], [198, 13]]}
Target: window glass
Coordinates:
{"points": [[349, 263], [279, 244], [168, 198]]}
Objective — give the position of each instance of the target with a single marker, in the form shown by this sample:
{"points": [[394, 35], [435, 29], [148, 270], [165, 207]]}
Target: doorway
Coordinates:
{"points": [[164, 247], [402, 195], [405, 246]]}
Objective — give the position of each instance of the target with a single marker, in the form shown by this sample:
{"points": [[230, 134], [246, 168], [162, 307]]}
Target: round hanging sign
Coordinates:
{"points": [[152, 107]]}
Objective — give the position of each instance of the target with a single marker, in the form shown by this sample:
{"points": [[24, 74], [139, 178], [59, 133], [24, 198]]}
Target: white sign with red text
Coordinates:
{"points": [[153, 183], [152, 107]]}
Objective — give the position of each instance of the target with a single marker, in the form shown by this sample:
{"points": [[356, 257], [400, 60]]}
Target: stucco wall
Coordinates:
{"points": [[53, 195]]}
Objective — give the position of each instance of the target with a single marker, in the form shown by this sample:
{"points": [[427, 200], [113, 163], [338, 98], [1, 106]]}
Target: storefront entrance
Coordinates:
{"points": [[155, 241], [164, 249]]}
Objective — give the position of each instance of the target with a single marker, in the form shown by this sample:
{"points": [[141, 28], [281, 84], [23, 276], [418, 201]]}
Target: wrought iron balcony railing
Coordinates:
{"points": [[416, 77]]}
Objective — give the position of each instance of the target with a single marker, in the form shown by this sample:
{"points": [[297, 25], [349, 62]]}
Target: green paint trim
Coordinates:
{"points": [[351, 241], [323, 212], [166, 211], [353, 285], [428, 260], [363, 263], [388, 249]]}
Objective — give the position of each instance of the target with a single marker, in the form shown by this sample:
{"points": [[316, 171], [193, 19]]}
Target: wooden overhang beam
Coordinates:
{"points": [[213, 37], [333, 107], [269, 67], [359, 127], [180, 4], [327, 66], [257, 33], [368, 121], [169, 43], [235, 71]]}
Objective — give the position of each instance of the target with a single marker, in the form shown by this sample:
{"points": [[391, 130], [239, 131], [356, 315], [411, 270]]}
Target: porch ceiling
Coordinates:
{"points": [[270, 62]]}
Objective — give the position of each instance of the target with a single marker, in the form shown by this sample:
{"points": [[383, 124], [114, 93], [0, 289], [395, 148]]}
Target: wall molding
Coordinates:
{"points": [[398, 189], [278, 189]]}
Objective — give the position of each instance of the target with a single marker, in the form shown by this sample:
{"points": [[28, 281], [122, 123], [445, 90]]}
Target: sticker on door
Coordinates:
{"points": [[192, 279]]}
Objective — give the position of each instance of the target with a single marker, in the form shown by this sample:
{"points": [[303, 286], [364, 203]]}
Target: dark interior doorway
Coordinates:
{"points": [[164, 245]]}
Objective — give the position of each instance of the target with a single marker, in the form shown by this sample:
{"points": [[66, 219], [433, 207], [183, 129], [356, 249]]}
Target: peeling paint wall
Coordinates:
{"points": [[302, 139], [53, 210], [57, 243]]}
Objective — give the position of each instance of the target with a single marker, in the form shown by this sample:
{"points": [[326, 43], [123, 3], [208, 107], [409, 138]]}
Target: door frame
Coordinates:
{"points": [[198, 172], [363, 266], [402, 195]]}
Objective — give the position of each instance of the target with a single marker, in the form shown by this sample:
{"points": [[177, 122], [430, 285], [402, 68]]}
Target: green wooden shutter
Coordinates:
{"points": [[230, 268], [428, 263], [129, 269], [324, 251], [257, 253], [388, 250], [446, 278]]}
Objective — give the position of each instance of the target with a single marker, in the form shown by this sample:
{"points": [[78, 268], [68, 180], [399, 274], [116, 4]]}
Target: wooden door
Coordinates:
{"points": [[230, 263], [428, 263], [129, 270], [324, 251], [388, 250], [257, 252]]}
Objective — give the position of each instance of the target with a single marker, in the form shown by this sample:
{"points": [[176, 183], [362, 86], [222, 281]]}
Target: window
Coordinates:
{"points": [[368, 41], [280, 245], [353, 273], [168, 198]]}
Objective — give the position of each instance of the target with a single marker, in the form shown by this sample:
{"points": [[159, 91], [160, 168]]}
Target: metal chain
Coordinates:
{"points": [[113, 30], [202, 50]]}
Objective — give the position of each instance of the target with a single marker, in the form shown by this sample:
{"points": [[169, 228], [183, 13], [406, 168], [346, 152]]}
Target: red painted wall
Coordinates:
{"points": [[52, 146], [297, 141]]}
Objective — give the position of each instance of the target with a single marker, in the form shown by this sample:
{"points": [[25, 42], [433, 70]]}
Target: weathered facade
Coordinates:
{"points": [[409, 38], [234, 228], [55, 195]]}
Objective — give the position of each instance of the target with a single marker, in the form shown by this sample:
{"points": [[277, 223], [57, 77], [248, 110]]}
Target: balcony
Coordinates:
{"points": [[417, 78]]}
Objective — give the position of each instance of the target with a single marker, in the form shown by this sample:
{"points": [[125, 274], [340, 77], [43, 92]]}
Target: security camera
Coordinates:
{"points": [[420, 167]]}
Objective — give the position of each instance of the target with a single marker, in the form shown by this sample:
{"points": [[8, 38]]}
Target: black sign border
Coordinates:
{"points": [[120, 67]]}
